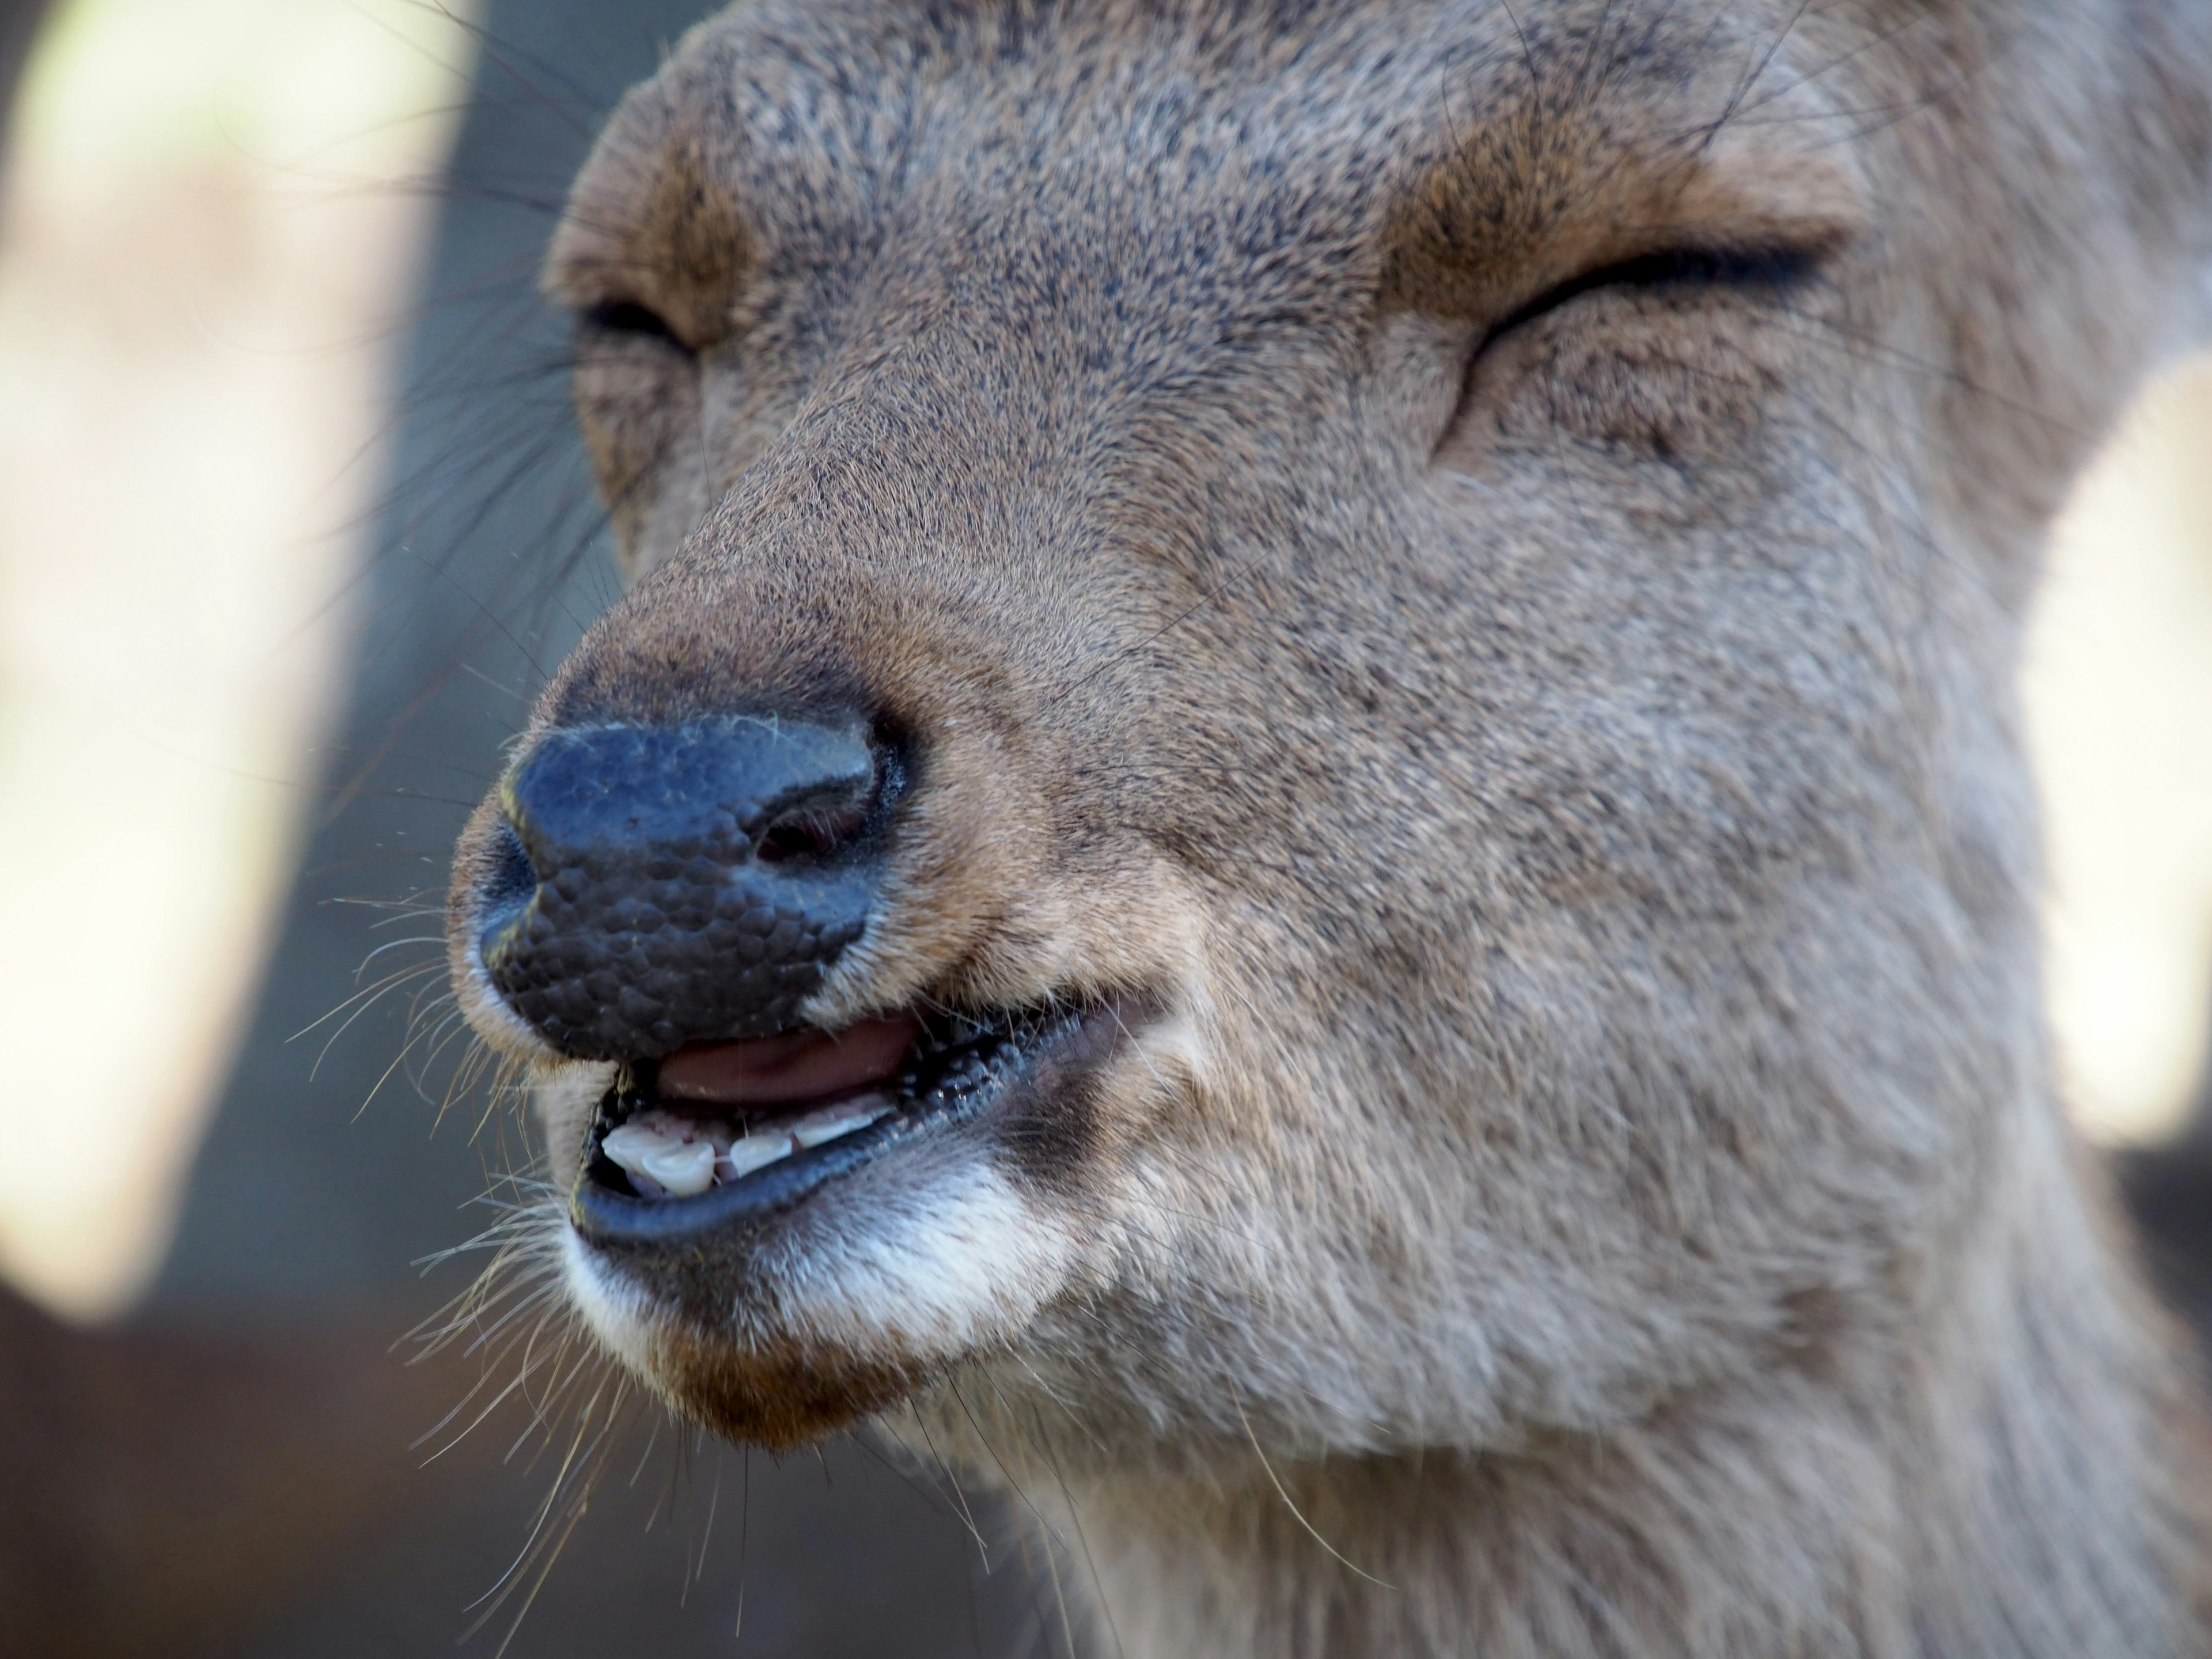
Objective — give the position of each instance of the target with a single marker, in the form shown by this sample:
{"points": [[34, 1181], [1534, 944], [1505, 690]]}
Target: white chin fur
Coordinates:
{"points": [[620, 1315], [929, 1273], [922, 1266]]}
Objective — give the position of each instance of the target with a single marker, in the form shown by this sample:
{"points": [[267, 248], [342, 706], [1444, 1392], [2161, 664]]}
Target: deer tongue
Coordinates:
{"points": [[789, 1070]]}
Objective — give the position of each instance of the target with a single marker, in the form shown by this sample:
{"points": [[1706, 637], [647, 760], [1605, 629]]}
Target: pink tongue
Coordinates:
{"points": [[789, 1070]]}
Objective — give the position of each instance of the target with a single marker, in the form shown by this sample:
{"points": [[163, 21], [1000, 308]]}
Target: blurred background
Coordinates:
{"points": [[292, 524]]}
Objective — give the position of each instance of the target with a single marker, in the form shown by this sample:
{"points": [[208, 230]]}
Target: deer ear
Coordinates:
{"points": [[2067, 251], [2193, 316], [2167, 64]]}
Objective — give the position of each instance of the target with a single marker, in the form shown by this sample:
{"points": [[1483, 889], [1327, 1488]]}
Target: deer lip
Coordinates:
{"points": [[783, 1121]]}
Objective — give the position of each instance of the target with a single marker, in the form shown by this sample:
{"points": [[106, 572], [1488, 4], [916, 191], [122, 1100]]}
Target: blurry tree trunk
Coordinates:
{"points": [[162, 1490]]}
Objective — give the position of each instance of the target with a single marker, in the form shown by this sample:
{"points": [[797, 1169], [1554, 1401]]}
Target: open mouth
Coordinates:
{"points": [[721, 1132]]}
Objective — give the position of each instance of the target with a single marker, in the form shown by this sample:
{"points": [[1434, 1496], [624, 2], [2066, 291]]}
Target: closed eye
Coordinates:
{"points": [[1773, 271], [1649, 359], [628, 318]]}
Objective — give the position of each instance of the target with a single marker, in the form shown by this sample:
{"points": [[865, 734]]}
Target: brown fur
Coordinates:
{"points": [[1552, 776]]}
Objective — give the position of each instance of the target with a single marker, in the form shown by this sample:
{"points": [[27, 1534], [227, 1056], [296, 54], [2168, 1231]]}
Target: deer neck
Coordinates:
{"points": [[1976, 1475]]}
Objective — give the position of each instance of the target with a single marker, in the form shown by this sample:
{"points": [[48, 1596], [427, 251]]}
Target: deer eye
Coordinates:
{"points": [[627, 318], [1654, 357], [1754, 271]]}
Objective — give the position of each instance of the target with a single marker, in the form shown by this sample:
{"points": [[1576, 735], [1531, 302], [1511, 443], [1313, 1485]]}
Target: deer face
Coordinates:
{"points": [[1307, 741]]}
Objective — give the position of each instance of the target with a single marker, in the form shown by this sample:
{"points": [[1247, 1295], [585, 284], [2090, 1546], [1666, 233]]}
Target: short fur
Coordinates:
{"points": [[1465, 563]]}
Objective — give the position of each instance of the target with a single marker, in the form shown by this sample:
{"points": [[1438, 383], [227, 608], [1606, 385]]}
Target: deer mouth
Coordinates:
{"points": [[721, 1135]]}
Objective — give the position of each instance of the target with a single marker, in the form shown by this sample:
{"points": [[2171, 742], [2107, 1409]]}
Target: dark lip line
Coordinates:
{"points": [[610, 1219]]}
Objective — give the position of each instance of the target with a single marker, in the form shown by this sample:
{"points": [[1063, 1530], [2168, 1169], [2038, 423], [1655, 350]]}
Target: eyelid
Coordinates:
{"points": [[1776, 269], [630, 318]]}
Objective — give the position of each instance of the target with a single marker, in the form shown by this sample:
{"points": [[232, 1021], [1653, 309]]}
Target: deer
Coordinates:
{"points": [[1305, 826]]}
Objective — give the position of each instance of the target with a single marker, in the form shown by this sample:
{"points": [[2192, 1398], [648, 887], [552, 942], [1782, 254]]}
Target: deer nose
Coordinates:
{"points": [[662, 885]]}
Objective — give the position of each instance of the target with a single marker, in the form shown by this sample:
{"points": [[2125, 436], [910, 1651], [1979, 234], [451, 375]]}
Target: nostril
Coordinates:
{"points": [[810, 832], [512, 878], [817, 829], [509, 883]]}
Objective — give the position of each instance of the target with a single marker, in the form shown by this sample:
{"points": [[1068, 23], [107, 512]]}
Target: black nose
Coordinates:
{"points": [[673, 884]]}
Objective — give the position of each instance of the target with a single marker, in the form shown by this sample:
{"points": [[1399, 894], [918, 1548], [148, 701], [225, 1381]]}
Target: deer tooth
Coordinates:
{"points": [[756, 1152], [629, 1146], [686, 1167], [831, 1122]]}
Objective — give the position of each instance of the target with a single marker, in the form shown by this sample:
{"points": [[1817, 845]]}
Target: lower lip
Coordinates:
{"points": [[602, 1215]]}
